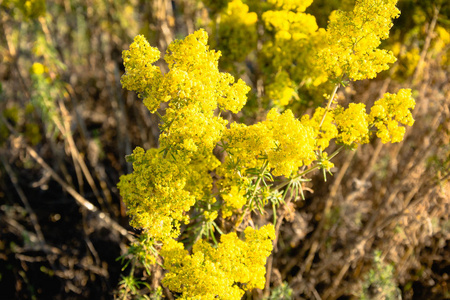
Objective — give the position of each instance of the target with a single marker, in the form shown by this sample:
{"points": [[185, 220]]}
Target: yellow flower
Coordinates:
{"points": [[289, 29], [248, 144], [389, 111], [234, 198], [352, 124], [325, 163], [326, 132], [37, 68], [236, 35], [293, 144], [155, 193], [280, 89], [224, 272], [210, 216], [291, 4], [353, 38], [180, 136], [282, 139], [140, 75]]}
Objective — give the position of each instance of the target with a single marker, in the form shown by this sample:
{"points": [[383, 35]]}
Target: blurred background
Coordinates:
{"points": [[377, 229]]}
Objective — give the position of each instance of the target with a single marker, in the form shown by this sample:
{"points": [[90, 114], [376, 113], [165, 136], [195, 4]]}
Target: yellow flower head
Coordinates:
{"points": [[291, 4], [353, 38], [324, 133], [391, 110], [352, 124], [280, 90], [236, 34], [224, 272], [293, 143], [155, 194], [37, 68]]}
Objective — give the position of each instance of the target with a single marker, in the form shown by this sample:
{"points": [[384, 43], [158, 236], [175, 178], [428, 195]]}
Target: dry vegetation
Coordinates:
{"points": [[379, 223]]}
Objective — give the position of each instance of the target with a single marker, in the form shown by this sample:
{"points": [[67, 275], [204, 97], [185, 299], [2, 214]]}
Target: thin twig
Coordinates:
{"points": [[80, 199], [76, 154], [275, 242], [23, 198], [426, 45]]}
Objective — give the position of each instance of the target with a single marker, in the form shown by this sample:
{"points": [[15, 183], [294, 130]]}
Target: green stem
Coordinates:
{"points": [[283, 184], [258, 181], [286, 190], [212, 235], [336, 87], [336, 152], [274, 214]]}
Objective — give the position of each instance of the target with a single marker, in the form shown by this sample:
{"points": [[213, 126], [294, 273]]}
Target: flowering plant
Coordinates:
{"points": [[183, 187]]}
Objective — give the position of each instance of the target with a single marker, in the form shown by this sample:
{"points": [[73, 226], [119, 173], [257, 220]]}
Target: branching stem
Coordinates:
{"points": [[336, 87]]}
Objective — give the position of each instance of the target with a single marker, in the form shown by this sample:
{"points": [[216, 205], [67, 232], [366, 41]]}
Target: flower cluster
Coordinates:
{"points": [[294, 143], [281, 89], [178, 135], [233, 197], [391, 110], [353, 38], [194, 88], [155, 194], [322, 133], [140, 75], [224, 272], [282, 139], [291, 4], [38, 69], [236, 33], [248, 145], [353, 124], [167, 182], [161, 190], [290, 39], [282, 143], [293, 39], [174, 184]]}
